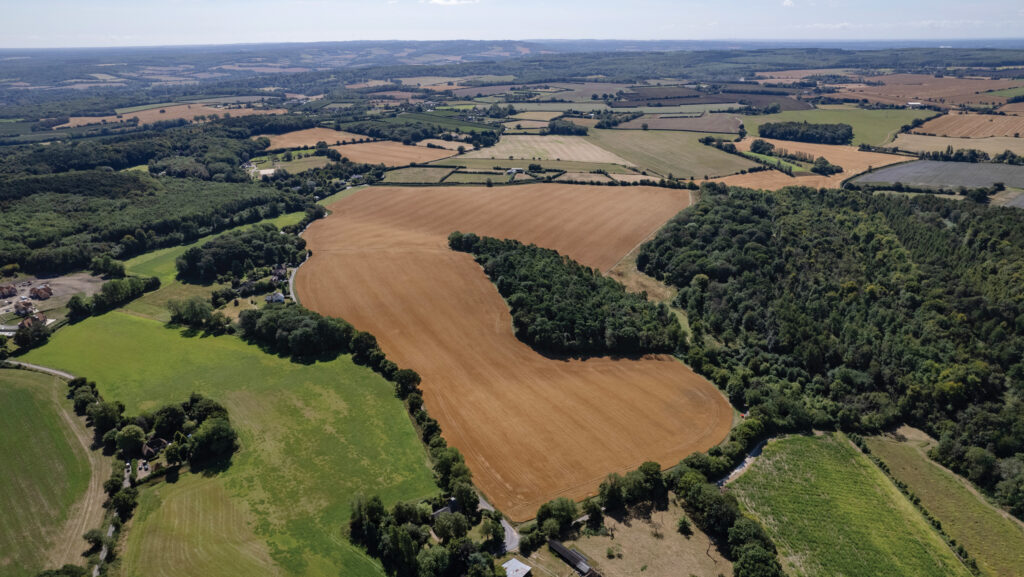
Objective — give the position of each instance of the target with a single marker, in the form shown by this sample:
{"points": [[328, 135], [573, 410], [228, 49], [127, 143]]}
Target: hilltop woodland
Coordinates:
{"points": [[239, 251], [807, 132], [560, 306], [831, 309]]}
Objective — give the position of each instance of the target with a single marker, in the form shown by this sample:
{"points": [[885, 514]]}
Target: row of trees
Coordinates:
{"points": [[907, 312], [561, 306], [808, 132], [113, 294], [565, 127]]}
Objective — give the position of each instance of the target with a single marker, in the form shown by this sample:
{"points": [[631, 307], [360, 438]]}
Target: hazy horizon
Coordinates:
{"points": [[123, 23]]}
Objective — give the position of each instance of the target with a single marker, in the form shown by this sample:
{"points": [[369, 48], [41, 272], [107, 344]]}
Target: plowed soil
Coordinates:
{"points": [[532, 428]]}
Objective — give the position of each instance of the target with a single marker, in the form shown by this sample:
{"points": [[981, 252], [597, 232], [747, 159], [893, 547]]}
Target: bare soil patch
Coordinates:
{"points": [[532, 428], [391, 153]]}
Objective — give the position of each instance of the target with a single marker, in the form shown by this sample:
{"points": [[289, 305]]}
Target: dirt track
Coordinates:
{"points": [[531, 428]]}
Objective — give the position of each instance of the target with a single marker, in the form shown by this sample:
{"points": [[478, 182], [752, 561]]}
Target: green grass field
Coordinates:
{"points": [[312, 436], [476, 178], [875, 127], [994, 540], [45, 470], [669, 152], [443, 121], [1008, 92], [416, 174], [832, 512], [796, 168]]}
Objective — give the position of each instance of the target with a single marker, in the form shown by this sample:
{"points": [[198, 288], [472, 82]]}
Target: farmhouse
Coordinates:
{"points": [[41, 292], [36, 319], [8, 290], [516, 568], [277, 297]]}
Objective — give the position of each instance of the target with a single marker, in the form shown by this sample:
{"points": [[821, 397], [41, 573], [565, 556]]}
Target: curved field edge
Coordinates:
{"points": [[531, 428], [312, 437], [833, 512], [991, 536], [48, 493]]}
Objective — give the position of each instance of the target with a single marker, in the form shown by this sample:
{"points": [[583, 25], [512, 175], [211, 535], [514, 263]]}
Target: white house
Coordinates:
{"points": [[275, 298]]}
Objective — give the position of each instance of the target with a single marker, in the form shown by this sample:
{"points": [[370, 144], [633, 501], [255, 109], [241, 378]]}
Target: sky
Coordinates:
{"points": [[81, 23]]}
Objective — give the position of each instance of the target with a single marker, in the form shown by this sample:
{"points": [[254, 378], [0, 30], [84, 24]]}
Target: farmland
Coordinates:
{"points": [[947, 174], [390, 153], [46, 492], [945, 92], [178, 112], [850, 158], [550, 147], [676, 153], [875, 127], [995, 540], [289, 484], [416, 174], [487, 164], [309, 137], [832, 512], [718, 123], [973, 126], [381, 261], [992, 146]]}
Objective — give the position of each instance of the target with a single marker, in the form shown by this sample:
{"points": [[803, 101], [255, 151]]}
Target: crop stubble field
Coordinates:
{"points": [[973, 126], [390, 153], [309, 137], [993, 146], [532, 428]]}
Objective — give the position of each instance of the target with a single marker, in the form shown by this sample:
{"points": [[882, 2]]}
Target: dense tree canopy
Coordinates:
{"points": [[808, 132], [561, 306], [240, 251], [844, 309]]}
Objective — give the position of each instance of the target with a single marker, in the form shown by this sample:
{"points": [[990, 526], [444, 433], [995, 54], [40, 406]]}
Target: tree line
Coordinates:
{"points": [[563, 307], [808, 132], [905, 312], [239, 251]]}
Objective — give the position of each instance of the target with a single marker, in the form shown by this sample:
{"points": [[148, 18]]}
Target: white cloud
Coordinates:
{"points": [[453, 2], [788, 3]]}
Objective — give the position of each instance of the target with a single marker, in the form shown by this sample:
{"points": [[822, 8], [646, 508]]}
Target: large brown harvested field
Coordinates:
{"points": [[548, 147], [993, 146], [945, 92], [310, 136], [179, 112], [720, 123], [532, 428], [972, 126], [391, 153], [850, 158]]}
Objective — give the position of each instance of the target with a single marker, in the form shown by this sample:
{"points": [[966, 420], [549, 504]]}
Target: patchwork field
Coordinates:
{"points": [[993, 146], [1013, 108], [664, 152], [540, 115], [584, 177], [310, 137], [875, 127], [550, 147], [992, 537], [720, 123], [390, 153], [49, 492], [833, 512], [312, 437], [850, 158], [532, 428], [947, 174], [946, 91], [179, 112], [491, 165], [973, 126]]}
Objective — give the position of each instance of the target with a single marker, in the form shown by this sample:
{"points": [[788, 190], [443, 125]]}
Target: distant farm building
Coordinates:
{"points": [[41, 292], [516, 568], [275, 298], [573, 558], [8, 291], [22, 308]]}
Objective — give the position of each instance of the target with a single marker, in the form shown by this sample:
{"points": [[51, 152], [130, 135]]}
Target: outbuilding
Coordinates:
{"points": [[516, 568]]}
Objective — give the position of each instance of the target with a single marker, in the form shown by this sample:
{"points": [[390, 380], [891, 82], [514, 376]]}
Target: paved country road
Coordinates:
{"points": [[511, 535]]}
